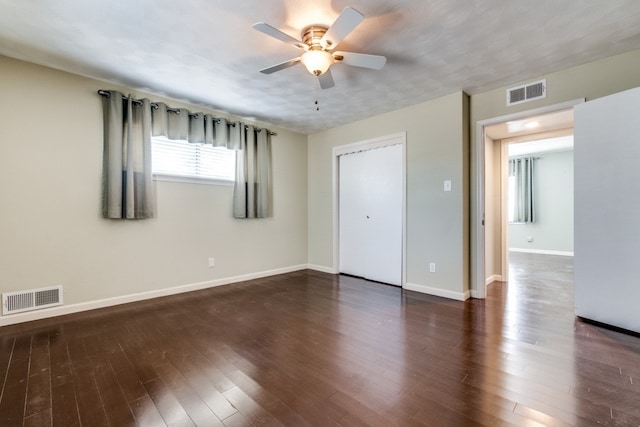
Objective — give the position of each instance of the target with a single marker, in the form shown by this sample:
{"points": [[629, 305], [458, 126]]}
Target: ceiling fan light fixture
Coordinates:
{"points": [[317, 61], [318, 41]]}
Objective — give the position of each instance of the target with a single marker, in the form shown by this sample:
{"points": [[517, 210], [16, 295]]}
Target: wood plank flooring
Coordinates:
{"points": [[309, 348]]}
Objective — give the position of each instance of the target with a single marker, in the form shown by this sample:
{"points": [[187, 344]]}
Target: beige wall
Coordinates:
{"points": [[436, 220], [590, 81], [51, 230], [430, 159], [493, 210]]}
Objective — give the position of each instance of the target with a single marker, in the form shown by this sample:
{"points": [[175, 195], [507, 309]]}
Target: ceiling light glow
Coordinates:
{"points": [[514, 127], [317, 61], [522, 125]]}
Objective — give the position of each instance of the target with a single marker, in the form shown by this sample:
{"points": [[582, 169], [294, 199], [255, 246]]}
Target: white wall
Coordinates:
{"points": [[51, 229], [437, 221], [552, 230]]}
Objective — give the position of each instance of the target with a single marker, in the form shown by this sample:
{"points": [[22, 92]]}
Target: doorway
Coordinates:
{"points": [[491, 260], [369, 183], [528, 213]]}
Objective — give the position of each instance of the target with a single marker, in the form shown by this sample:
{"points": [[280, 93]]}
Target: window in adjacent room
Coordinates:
{"points": [[521, 190], [183, 161]]}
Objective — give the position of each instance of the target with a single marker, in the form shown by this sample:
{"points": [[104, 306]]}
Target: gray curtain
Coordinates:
{"points": [[196, 128], [127, 181], [523, 171], [128, 127], [252, 190], [252, 193]]}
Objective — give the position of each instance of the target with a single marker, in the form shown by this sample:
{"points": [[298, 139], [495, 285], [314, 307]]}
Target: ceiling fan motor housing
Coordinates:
{"points": [[312, 35]]}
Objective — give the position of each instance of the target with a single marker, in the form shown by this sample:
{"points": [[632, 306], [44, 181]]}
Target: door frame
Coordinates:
{"points": [[478, 279], [383, 141]]}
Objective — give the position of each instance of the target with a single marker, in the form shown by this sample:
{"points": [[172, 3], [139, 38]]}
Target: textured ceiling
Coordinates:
{"points": [[205, 51]]}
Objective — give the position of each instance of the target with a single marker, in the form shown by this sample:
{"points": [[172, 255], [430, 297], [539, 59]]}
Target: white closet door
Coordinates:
{"points": [[371, 184]]}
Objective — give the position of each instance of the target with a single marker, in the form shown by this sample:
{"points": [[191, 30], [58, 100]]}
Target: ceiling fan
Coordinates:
{"points": [[318, 42]]}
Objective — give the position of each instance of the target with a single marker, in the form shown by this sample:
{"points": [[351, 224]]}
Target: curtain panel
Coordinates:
{"points": [[252, 195], [128, 127], [127, 190], [523, 171]]}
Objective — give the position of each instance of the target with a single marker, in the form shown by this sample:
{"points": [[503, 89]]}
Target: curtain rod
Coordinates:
{"points": [[175, 110]]}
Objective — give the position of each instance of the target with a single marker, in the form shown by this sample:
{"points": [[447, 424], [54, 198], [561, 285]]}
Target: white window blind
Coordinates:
{"points": [[181, 159]]}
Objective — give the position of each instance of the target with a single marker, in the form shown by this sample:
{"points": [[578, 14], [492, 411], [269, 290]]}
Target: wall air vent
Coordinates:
{"points": [[17, 302], [526, 93]]}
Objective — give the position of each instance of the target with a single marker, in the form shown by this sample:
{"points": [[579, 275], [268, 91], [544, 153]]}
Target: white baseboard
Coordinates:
{"points": [[541, 251], [493, 278], [108, 302], [460, 296], [322, 269]]}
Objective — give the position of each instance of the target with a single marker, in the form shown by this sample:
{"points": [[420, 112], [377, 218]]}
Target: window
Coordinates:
{"points": [[185, 161], [521, 190]]}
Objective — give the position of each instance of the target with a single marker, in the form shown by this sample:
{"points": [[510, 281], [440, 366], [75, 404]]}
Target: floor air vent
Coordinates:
{"points": [[526, 93], [17, 302]]}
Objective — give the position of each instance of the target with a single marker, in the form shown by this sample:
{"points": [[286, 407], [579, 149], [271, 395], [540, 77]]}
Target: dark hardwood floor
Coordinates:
{"points": [[309, 348]]}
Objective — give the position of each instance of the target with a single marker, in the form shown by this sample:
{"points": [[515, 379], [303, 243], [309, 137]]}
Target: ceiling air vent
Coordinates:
{"points": [[526, 93], [17, 302]]}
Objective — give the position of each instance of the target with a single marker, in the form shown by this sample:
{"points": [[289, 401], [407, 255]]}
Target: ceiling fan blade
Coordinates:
{"points": [[326, 80], [281, 66], [348, 20], [275, 33], [374, 62]]}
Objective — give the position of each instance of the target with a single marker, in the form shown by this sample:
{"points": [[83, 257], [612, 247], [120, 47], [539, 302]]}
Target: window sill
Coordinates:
{"points": [[193, 180]]}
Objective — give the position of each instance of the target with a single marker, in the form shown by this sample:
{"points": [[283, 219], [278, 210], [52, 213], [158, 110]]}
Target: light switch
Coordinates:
{"points": [[447, 185]]}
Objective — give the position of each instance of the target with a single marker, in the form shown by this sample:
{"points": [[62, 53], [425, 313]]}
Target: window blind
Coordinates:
{"points": [[180, 158]]}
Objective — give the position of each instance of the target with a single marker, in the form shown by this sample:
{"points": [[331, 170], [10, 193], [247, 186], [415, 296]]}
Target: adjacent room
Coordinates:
{"points": [[297, 213], [529, 195]]}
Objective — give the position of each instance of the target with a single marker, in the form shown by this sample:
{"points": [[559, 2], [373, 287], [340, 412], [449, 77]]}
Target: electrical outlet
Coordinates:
{"points": [[212, 262], [529, 238], [432, 267]]}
